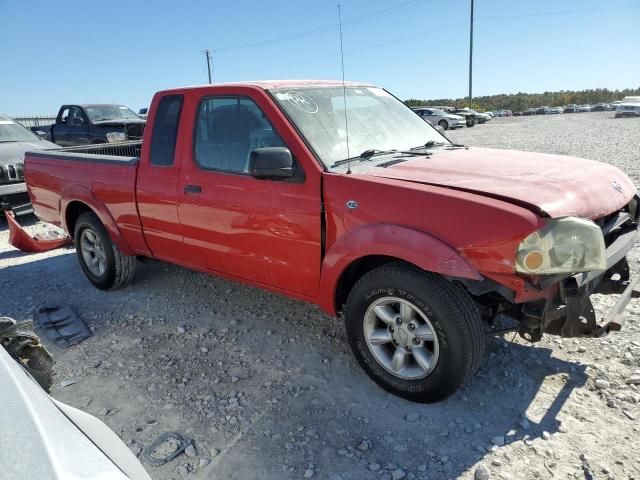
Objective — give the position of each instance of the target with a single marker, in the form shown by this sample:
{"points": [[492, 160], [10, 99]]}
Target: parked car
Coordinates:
{"points": [[583, 108], [49, 439], [518, 114], [529, 111], [143, 112], [554, 110], [91, 124], [508, 113], [542, 110], [599, 107], [628, 107], [477, 116], [469, 117], [14, 141], [435, 116], [414, 240], [569, 109]]}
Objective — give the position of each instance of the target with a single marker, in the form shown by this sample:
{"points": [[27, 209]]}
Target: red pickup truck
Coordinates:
{"points": [[345, 198]]}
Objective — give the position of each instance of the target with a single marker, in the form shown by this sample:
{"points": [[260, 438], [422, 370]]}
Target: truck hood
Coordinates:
{"points": [[550, 185], [13, 152]]}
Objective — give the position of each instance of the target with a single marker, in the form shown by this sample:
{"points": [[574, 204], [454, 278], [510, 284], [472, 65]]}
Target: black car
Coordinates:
{"points": [[469, 117], [94, 123], [15, 140]]}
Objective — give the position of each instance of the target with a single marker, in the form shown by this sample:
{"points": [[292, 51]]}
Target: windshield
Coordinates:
{"points": [[376, 120], [101, 113], [11, 131]]}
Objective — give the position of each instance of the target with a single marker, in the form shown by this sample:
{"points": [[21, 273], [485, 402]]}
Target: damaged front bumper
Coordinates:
{"points": [[568, 312]]}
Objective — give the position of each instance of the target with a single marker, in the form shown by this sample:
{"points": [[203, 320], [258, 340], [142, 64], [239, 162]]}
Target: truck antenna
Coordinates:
{"points": [[344, 92]]}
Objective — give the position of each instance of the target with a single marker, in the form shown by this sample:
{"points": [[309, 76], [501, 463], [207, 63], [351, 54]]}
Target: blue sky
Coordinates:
{"points": [[70, 51]]}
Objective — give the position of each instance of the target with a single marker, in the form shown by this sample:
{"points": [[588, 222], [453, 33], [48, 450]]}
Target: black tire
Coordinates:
{"points": [[455, 319], [119, 270], [470, 122], [444, 124]]}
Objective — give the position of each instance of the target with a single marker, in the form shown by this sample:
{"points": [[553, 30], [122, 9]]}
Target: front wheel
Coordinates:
{"points": [[444, 124], [414, 333], [100, 259]]}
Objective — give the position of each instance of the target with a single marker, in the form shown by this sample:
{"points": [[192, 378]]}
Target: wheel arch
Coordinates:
{"points": [[369, 247], [79, 200]]}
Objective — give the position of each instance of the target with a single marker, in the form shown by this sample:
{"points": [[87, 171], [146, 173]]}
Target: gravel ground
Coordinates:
{"points": [[267, 388]]}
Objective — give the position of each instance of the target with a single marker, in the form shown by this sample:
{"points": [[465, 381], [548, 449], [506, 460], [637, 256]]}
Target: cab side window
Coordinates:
{"points": [[76, 117], [227, 130], [64, 116], [165, 130]]}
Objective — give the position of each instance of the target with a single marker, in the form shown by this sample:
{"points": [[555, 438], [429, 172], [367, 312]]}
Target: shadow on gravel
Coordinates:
{"points": [[325, 412], [12, 254], [350, 429]]}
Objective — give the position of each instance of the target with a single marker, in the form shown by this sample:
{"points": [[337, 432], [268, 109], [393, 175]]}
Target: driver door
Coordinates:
{"points": [[263, 231], [77, 127]]}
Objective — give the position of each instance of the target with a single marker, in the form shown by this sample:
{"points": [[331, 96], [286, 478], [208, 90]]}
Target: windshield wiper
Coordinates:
{"points": [[429, 144], [372, 152]]}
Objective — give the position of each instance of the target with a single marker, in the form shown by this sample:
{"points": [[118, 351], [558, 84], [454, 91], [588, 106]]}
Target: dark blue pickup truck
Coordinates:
{"points": [[91, 124]]}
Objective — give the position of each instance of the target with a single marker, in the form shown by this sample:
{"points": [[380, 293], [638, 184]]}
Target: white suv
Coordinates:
{"points": [[629, 107]]}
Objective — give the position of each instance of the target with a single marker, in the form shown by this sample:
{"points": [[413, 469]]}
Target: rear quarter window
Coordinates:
{"points": [[165, 130]]}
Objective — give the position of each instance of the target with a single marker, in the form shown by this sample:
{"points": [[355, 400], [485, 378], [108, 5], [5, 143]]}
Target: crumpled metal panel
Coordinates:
{"points": [[21, 240]]}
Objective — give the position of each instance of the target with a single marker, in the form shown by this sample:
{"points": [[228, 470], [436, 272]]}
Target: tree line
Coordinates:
{"points": [[520, 101]]}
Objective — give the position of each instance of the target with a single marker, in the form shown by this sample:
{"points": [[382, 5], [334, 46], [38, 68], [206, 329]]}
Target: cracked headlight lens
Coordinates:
{"points": [[563, 245]]}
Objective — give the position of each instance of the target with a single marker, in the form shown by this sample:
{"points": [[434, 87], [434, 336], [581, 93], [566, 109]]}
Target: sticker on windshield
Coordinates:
{"points": [[302, 102]]}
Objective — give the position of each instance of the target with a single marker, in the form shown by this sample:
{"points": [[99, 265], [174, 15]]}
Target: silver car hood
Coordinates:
{"points": [[48, 440], [13, 152]]}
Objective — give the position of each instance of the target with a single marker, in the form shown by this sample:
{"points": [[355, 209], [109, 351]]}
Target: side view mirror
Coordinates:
{"points": [[77, 121], [42, 135], [273, 163]]}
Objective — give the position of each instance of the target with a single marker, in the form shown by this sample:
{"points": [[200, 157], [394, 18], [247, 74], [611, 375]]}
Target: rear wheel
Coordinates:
{"points": [[100, 259], [444, 124], [414, 333]]}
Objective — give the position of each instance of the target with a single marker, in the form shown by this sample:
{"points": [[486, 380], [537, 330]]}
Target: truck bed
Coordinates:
{"points": [[58, 177]]}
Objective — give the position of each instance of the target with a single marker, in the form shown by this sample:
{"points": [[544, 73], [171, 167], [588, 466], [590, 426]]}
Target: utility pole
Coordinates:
{"points": [[208, 54], [471, 57]]}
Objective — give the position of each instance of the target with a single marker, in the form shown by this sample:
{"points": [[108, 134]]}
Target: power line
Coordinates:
{"points": [[348, 52], [551, 14], [400, 39], [328, 28]]}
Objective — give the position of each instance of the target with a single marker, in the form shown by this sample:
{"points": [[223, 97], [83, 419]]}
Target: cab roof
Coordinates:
{"points": [[278, 84]]}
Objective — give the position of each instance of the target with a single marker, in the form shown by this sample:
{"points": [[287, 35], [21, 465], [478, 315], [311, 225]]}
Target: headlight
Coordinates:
{"points": [[116, 137], [564, 245]]}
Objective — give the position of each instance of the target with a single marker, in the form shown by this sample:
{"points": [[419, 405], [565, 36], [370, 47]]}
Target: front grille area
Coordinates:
{"points": [[11, 173], [617, 223]]}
